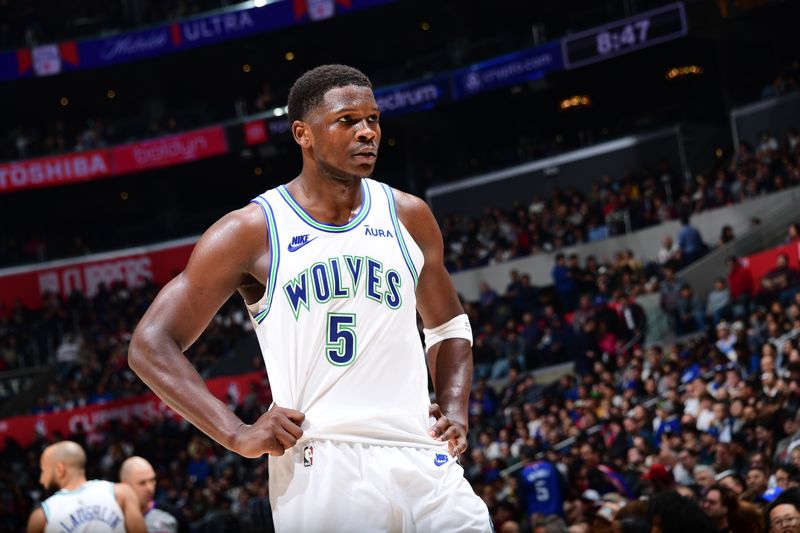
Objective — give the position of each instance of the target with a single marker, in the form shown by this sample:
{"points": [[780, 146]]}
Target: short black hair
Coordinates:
{"points": [[792, 470], [678, 513], [310, 88]]}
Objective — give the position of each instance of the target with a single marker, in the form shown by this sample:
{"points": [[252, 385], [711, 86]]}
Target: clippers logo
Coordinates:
{"points": [[308, 456], [298, 241], [440, 459]]}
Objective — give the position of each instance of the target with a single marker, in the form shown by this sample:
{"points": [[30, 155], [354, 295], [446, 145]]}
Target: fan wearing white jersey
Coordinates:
{"points": [[81, 506], [333, 267]]}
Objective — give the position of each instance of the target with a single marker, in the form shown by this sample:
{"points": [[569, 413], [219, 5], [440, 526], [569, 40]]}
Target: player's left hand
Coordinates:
{"points": [[446, 429]]}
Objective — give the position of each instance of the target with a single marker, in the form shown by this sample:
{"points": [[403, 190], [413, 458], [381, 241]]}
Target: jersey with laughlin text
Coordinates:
{"points": [[92, 508], [337, 322]]}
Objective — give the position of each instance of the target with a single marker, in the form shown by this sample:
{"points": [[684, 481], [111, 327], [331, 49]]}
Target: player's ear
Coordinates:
{"points": [[302, 133], [60, 469]]}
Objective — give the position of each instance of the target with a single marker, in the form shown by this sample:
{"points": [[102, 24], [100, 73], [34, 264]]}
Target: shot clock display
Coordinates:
{"points": [[623, 36]]}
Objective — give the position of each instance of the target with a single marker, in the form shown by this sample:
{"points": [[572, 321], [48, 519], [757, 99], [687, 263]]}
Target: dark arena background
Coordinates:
{"points": [[616, 182]]}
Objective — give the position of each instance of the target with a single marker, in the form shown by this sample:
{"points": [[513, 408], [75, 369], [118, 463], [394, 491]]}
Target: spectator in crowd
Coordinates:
{"points": [[634, 319], [718, 301], [756, 483], [726, 235], [781, 282], [670, 289], [783, 513], [719, 503], [563, 283], [669, 252], [740, 283], [705, 477], [792, 233], [671, 512], [689, 314], [690, 241]]}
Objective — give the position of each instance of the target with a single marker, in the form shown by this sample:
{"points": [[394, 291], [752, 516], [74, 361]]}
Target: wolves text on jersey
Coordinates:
{"points": [[341, 277]]}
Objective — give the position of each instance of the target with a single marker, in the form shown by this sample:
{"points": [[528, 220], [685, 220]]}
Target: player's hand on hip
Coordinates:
{"points": [[273, 433], [448, 430]]}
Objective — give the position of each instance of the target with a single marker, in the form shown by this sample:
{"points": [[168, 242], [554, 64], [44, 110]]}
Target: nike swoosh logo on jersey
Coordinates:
{"points": [[440, 459], [295, 247]]}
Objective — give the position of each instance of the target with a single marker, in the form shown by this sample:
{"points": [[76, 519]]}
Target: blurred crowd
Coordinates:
{"points": [[48, 138], [617, 205], [85, 341], [714, 418], [787, 80]]}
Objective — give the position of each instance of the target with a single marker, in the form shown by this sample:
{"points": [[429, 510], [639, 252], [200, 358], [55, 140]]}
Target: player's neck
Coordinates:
{"points": [[74, 483], [327, 196]]}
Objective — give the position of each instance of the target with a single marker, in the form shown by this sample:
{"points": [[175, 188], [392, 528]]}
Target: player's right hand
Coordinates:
{"points": [[273, 433]]}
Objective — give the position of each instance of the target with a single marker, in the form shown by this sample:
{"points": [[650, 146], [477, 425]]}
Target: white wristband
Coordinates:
{"points": [[456, 328]]}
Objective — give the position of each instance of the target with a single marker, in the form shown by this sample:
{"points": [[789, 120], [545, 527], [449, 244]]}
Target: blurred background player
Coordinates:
{"points": [[79, 505], [139, 474]]}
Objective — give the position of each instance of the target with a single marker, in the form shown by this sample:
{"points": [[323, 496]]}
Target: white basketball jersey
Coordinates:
{"points": [[337, 323], [93, 508]]}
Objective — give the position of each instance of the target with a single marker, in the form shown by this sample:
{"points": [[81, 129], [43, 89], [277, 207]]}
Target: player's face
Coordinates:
{"points": [[48, 476], [345, 132], [143, 483]]}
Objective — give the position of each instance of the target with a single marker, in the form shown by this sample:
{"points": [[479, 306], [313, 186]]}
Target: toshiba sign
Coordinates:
{"points": [[58, 170]]}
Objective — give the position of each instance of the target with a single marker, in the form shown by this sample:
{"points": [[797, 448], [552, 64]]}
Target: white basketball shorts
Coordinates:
{"points": [[327, 486]]}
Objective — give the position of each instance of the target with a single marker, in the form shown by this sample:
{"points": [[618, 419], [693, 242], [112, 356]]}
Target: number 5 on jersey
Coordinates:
{"points": [[340, 346]]}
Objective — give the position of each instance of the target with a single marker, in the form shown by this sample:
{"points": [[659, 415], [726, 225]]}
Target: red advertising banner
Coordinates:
{"points": [[141, 409], [762, 262], [170, 150], [55, 170], [132, 266], [255, 132]]}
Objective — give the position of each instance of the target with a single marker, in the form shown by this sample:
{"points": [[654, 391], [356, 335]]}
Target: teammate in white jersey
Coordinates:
{"points": [[81, 506], [333, 267]]}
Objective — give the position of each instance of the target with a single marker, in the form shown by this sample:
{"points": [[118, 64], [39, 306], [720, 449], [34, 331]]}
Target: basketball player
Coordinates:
{"points": [[138, 473], [81, 506], [333, 267]]}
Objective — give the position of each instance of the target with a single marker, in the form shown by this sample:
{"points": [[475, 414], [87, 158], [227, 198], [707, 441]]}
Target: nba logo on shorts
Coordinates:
{"points": [[308, 456]]}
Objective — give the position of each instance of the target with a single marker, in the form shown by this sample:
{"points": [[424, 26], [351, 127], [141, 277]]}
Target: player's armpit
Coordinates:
{"points": [[37, 521]]}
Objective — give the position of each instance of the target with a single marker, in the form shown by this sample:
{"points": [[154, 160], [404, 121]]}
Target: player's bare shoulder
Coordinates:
{"points": [[409, 204], [418, 219], [239, 236], [229, 253], [244, 226]]}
